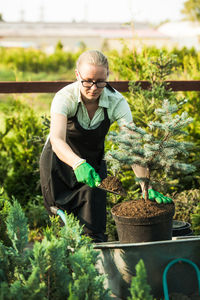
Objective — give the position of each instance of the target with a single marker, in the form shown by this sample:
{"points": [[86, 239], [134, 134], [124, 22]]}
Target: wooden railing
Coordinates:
{"points": [[9, 87]]}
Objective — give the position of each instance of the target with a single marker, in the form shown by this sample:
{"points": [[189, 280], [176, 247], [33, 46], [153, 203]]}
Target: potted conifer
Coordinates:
{"points": [[160, 150]]}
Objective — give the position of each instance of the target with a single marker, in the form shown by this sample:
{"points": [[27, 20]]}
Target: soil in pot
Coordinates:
{"points": [[141, 209], [143, 221], [140, 220]]}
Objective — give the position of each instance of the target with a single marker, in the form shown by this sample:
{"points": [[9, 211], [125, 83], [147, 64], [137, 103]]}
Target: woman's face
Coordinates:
{"points": [[90, 73]]}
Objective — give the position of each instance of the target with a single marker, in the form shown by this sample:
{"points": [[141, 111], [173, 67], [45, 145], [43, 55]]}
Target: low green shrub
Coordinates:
{"points": [[19, 154], [34, 60], [36, 213], [4, 210], [195, 219], [186, 204], [62, 266], [158, 66], [140, 288]]}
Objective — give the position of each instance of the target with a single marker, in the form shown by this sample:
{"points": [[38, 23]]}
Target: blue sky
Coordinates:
{"points": [[154, 11]]}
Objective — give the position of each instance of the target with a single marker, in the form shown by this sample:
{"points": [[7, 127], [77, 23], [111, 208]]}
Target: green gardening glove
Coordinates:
{"points": [[86, 173], [158, 197]]}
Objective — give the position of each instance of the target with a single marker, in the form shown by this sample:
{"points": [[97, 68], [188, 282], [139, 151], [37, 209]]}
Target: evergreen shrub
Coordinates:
{"points": [[62, 266], [4, 209], [19, 154], [157, 67], [34, 60], [186, 203], [140, 288], [195, 219]]}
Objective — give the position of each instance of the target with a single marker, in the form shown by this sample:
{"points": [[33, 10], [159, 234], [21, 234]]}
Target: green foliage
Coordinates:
{"points": [[32, 64], [140, 289], [143, 102], [158, 150], [193, 136], [85, 277], [191, 8], [36, 213], [158, 66], [6, 74], [59, 46], [196, 219], [21, 64], [186, 203], [19, 172], [34, 60], [17, 227], [14, 262], [131, 64], [4, 209], [187, 62], [62, 266], [82, 46]]}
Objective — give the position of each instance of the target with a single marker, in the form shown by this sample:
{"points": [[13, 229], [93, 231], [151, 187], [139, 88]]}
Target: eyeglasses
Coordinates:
{"points": [[90, 83]]}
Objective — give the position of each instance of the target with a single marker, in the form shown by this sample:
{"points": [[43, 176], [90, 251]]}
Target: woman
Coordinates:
{"points": [[71, 164]]}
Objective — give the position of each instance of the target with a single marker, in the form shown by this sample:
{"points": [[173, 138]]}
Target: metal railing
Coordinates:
{"points": [[9, 87]]}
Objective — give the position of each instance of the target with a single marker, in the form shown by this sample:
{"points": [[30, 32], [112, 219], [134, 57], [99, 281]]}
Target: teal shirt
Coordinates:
{"points": [[66, 100]]}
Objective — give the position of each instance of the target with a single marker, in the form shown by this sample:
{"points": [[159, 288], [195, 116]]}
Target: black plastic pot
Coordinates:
{"points": [[180, 228], [136, 230]]}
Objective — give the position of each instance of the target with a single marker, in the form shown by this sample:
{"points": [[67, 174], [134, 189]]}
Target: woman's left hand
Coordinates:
{"points": [[158, 197]]}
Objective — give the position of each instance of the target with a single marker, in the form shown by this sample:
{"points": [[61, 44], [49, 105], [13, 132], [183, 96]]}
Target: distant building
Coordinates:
{"points": [[73, 35], [182, 33]]}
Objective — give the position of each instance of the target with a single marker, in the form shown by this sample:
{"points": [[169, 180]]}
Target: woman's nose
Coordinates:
{"points": [[94, 87]]}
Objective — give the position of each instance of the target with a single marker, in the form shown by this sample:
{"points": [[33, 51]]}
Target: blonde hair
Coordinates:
{"points": [[93, 57]]}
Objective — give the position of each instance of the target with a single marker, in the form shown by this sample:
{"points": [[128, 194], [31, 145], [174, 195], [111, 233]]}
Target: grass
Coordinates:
{"points": [[9, 73], [39, 102]]}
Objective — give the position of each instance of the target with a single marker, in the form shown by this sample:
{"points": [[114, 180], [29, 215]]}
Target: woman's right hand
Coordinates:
{"points": [[86, 173]]}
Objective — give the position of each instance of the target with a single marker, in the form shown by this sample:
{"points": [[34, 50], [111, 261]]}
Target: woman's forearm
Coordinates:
{"points": [[58, 129], [64, 152]]}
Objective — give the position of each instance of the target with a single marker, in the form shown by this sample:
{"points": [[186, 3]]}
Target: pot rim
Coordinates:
{"points": [[145, 221], [177, 225]]}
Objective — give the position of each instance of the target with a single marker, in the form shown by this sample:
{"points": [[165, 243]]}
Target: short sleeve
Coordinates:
{"points": [[65, 101], [59, 105], [122, 112]]}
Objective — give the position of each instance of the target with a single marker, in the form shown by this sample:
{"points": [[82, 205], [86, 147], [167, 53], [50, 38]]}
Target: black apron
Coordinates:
{"points": [[60, 187]]}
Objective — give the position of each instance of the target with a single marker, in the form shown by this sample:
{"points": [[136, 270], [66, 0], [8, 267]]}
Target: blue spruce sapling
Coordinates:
{"points": [[161, 149]]}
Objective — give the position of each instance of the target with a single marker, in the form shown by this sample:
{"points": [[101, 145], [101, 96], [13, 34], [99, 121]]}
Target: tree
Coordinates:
{"points": [[140, 289], [59, 46], [144, 102], [160, 150], [192, 10]]}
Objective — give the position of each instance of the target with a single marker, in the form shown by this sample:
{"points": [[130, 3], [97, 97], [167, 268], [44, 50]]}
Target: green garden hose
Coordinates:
{"points": [[56, 211], [165, 287]]}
